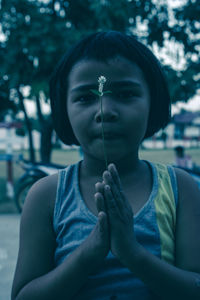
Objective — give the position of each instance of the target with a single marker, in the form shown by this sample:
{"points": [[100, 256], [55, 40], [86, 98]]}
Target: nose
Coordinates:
{"points": [[109, 112]]}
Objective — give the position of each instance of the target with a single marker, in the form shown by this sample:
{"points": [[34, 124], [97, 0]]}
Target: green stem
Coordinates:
{"points": [[102, 127]]}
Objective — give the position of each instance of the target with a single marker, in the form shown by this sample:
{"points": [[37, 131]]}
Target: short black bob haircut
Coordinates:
{"points": [[103, 46]]}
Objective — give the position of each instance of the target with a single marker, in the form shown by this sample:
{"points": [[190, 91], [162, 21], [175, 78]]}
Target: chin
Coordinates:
{"points": [[115, 156]]}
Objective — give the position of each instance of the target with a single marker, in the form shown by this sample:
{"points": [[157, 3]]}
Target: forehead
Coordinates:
{"points": [[116, 69]]}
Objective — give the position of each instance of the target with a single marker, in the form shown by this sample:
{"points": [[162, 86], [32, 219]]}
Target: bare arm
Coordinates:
{"points": [[183, 280], [35, 275], [169, 282]]}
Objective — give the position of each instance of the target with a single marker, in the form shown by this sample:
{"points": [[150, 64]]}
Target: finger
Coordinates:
{"points": [[110, 202], [103, 223], [99, 186], [99, 200], [118, 196], [115, 175], [116, 179]]}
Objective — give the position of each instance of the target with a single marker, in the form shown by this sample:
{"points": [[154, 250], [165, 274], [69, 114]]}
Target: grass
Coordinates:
{"points": [[166, 156], [65, 157]]}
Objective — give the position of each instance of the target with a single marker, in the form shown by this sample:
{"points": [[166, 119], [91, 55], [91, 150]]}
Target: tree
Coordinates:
{"points": [[39, 32], [187, 31], [38, 29], [182, 37], [5, 102], [17, 64]]}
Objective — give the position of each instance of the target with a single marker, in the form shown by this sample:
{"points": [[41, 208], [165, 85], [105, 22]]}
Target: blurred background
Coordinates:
{"points": [[33, 36]]}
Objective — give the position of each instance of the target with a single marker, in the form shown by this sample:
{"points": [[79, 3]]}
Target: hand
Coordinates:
{"points": [[120, 216], [97, 242]]}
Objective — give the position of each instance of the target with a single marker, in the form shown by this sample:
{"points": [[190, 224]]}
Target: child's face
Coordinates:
{"points": [[125, 110]]}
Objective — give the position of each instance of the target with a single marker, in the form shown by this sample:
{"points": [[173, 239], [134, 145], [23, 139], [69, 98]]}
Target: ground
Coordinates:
{"points": [[9, 233]]}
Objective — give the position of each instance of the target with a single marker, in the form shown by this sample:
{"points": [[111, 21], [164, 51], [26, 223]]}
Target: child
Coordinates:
{"points": [[130, 231], [181, 159]]}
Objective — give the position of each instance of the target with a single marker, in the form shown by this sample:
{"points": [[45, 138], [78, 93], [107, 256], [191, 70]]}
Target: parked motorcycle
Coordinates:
{"points": [[33, 172]]}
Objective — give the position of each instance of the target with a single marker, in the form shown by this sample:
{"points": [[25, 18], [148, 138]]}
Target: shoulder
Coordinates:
{"points": [[187, 188], [188, 222], [42, 195]]}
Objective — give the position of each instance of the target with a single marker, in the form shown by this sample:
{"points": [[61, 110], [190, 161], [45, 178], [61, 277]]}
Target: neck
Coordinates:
{"points": [[126, 165]]}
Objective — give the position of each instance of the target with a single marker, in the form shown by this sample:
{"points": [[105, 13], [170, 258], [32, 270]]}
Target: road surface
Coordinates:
{"points": [[9, 242]]}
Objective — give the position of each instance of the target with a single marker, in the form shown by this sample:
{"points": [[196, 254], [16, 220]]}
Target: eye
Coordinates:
{"points": [[86, 98], [126, 94]]}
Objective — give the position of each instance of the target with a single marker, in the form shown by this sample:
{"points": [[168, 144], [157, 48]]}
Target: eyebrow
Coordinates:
{"points": [[115, 84]]}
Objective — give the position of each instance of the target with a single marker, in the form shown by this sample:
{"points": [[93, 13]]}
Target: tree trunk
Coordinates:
{"points": [[46, 129], [28, 126], [46, 144]]}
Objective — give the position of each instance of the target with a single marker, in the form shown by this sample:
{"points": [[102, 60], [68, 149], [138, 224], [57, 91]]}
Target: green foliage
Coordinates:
{"points": [[39, 32], [5, 102], [95, 92], [186, 30]]}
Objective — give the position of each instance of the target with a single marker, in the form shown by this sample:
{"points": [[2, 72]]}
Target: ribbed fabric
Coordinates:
{"points": [[73, 222]]}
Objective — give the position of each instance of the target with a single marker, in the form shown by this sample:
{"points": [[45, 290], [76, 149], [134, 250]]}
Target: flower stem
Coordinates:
{"points": [[102, 129]]}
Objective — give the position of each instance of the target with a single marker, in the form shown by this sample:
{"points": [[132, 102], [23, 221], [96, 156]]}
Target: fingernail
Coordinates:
{"points": [[97, 185], [107, 174], [107, 187], [112, 166]]}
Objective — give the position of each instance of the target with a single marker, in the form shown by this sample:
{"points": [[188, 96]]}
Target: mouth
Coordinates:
{"points": [[108, 135]]}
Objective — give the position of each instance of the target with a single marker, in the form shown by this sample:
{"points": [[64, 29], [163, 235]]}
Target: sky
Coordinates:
{"points": [[192, 105]]}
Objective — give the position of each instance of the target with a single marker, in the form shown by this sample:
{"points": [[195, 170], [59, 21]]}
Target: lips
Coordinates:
{"points": [[108, 134]]}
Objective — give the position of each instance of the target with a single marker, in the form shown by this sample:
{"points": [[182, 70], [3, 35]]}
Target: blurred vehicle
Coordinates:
{"points": [[33, 172]]}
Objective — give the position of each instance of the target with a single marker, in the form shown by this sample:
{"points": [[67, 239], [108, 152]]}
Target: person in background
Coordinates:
{"points": [[181, 159]]}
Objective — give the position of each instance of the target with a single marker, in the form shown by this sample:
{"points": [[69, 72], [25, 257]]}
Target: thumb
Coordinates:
{"points": [[103, 222]]}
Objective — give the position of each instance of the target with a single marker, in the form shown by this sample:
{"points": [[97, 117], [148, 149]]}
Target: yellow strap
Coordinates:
{"points": [[166, 214]]}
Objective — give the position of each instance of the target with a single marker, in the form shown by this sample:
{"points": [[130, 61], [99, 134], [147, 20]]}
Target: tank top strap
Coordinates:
{"points": [[65, 186], [165, 204]]}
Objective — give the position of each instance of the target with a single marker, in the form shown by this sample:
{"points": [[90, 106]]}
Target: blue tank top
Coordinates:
{"points": [[154, 226]]}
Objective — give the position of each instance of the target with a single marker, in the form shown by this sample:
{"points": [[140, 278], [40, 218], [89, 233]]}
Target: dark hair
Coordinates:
{"points": [[179, 149], [103, 46]]}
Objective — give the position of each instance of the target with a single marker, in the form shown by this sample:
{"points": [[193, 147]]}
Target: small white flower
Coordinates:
{"points": [[101, 81]]}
